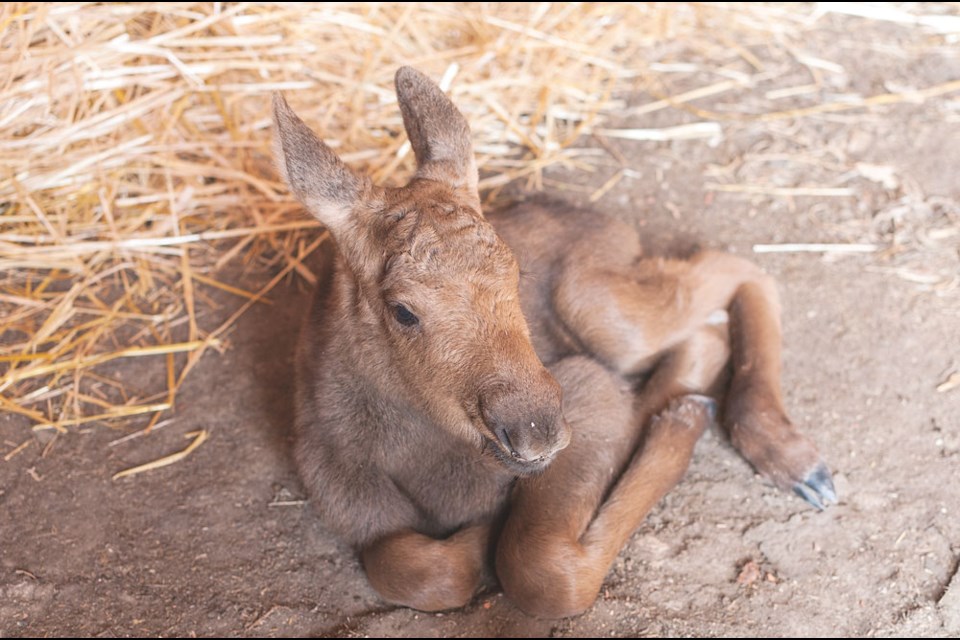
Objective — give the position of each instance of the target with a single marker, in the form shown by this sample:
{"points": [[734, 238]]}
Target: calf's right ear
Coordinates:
{"points": [[316, 176]]}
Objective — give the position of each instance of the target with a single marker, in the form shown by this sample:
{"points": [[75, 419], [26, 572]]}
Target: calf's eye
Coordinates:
{"points": [[404, 316]]}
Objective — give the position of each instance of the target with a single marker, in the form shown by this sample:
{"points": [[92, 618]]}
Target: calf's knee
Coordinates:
{"points": [[553, 582], [431, 576]]}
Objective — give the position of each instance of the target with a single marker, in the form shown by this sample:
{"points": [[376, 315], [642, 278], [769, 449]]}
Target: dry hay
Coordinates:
{"points": [[135, 179]]}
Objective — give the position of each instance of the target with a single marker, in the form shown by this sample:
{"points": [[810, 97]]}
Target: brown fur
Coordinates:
{"points": [[429, 444]]}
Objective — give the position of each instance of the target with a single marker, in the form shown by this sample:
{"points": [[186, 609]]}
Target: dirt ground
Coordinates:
{"points": [[221, 543]]}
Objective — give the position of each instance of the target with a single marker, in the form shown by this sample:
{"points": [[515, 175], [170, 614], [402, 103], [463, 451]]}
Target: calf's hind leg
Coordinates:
{"points": [[754, 415], [636, 311], [566, 526]]}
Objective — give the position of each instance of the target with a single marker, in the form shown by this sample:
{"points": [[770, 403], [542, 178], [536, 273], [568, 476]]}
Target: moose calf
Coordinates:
{"points": [[467, 395]]}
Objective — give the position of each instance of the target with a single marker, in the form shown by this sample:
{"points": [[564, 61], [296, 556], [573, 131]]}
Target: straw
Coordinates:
{"points": [[199, 437]]}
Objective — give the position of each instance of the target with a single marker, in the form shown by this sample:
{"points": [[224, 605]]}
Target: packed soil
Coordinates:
{"points": [[222, 542]]}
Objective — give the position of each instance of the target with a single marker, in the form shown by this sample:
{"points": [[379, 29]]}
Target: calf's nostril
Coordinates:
{"points": [[504, 438]]}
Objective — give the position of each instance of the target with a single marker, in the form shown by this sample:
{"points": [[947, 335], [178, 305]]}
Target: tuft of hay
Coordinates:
{"points": [[135, 165], [135, 173]]}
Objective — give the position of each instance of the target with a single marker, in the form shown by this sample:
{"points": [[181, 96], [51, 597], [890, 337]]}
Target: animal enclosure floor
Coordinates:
{"points": [[221, 543]]}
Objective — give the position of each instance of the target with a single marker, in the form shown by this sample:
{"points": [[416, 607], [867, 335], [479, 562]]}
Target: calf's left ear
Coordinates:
{"points": [[438, 132]]}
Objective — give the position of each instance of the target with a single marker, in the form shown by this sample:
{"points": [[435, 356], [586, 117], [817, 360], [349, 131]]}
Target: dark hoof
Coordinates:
{"points": [[707, 402], [817, 488]]}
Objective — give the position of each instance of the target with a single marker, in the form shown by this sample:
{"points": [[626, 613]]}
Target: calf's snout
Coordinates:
{"points": [[527, 420]]}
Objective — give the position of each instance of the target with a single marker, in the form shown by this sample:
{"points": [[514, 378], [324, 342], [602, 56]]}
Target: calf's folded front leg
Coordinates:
{"points": [[566, 527], [414, 570]]}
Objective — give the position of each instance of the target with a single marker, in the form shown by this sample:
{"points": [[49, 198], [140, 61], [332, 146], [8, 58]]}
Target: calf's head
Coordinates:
{"points": [[432, 285]]}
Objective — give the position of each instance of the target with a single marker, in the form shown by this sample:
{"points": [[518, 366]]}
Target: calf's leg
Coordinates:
{"points": [[413, 570], [567, 526], [634, 312]]}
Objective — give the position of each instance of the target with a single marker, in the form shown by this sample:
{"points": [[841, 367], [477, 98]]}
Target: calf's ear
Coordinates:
{"points": [[316, 176], [438, 132]]}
